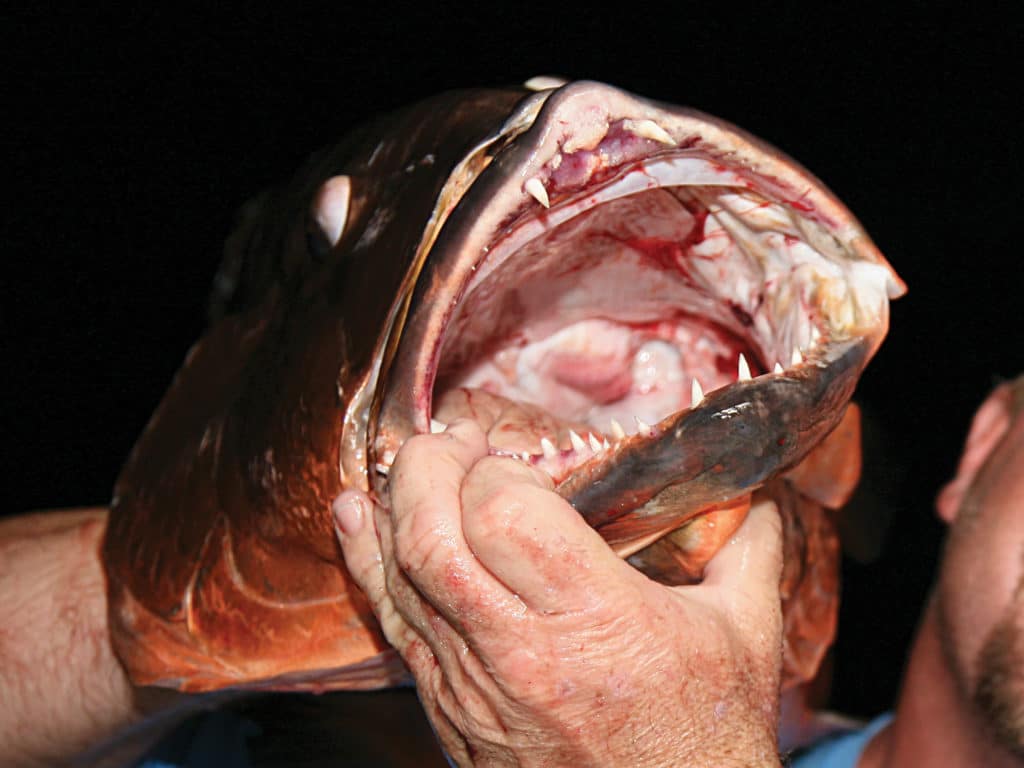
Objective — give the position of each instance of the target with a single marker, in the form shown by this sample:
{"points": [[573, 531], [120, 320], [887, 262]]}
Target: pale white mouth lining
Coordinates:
{"points": [[799, 296], [793, 278]]}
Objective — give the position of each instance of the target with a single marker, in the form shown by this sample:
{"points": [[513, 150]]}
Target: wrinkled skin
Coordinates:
{"points": [[533, 644], [64, 693], [962, 698], [979, 604]]}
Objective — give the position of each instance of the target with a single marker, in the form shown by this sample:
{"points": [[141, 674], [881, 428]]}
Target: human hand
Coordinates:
{"points": [[533, 644]]}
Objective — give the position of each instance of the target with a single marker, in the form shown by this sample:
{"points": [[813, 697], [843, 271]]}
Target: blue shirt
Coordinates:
{"points": [[218, 740], [209, 740], [844, 750]]}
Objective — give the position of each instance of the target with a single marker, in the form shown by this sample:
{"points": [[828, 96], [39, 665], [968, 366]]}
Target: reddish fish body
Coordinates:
{"points": [[550, 262]]}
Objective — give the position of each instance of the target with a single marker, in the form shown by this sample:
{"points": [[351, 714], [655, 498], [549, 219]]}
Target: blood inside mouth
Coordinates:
{"points": [[601, 325]]}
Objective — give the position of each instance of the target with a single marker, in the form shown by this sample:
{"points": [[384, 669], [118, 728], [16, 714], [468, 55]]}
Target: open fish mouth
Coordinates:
{"points": [[656, 309]]}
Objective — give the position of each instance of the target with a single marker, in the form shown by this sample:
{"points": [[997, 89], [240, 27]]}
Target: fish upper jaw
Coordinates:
{"points": [[610, 216]]}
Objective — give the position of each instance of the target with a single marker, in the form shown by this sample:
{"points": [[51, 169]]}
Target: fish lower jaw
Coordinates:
{"points": [[558, 447]]}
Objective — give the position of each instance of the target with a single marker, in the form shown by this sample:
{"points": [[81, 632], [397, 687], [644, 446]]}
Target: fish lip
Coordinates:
{"points": [[496, 201]]}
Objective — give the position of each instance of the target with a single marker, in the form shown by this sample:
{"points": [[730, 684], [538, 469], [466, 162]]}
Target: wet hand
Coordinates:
{"points": [[533, 644]]}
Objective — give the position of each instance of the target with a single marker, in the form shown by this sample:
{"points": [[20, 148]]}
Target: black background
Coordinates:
{"points": [[137, 134]]}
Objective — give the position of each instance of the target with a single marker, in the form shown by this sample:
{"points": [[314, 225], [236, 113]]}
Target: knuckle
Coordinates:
{"points": [[396, 630], [450, 447], [446, 702], [414, 452], [421, 660], [394, 582], [404, 598], [367, 570]]}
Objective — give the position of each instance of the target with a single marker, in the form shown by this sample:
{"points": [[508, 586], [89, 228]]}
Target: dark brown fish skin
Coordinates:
{"points": [[237, 468]]}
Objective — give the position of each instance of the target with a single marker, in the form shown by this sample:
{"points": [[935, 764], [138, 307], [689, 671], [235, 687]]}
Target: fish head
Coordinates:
{"points": [[661, 311]]}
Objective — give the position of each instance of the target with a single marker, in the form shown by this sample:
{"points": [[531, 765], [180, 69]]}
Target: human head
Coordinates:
{"points": [[980, 594]]}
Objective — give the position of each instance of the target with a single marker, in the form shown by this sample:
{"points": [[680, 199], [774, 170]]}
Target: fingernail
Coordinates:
{"points": [[349, 511]]}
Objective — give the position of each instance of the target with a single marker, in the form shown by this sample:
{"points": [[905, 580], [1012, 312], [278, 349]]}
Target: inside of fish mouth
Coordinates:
{"points": [[598, 325]]}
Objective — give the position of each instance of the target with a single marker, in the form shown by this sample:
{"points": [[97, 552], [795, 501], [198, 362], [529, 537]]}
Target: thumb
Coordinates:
{"points": [[745, 573]]}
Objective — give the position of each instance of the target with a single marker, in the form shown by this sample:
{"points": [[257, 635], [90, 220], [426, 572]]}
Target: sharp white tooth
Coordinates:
{"points": [[577, 441], [536, 188], [388, 457], [648, 129], [641, 425], [797, 357], [617, 431], [437, 426], [606, 444], [744, 369], [815, 334], [696, 393], [382, 469], [595, 444], [548, 447], [777, 368], [525, 456]]}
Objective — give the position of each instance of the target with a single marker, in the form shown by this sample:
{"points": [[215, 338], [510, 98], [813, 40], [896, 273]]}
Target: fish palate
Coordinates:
{"points": [[661, 311]]}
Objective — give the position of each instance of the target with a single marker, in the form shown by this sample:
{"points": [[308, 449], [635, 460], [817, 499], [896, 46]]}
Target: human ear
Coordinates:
{"points": [[989, 425]]}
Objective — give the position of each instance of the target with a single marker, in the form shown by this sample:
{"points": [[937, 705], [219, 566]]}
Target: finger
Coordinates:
{"points": [[746, 571], [439, 656], [533, 541], [360, 545], [415, 609], [427, 525], [357, 534], [421, 637]]}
